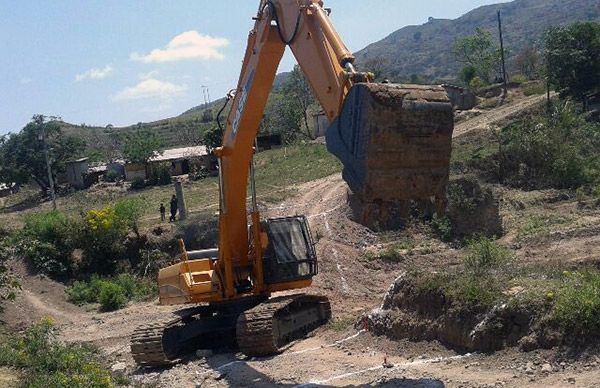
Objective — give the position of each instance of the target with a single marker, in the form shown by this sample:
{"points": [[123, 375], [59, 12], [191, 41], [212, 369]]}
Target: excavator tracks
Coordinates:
{"points": [[266, 328], [261, 327], [150, 346]]}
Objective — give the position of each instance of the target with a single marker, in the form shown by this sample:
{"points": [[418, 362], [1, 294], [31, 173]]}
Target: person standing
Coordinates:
{"points": [[163, 211], [173, 208]]}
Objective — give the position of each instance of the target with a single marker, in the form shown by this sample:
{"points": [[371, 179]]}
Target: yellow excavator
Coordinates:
{"points": [[394, 142]]}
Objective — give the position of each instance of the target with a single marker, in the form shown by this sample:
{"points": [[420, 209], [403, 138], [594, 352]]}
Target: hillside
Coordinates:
{"points": [[427, 49], [422, 50]]}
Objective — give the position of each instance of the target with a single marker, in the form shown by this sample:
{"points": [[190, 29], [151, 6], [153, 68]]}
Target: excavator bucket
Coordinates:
{"points": [[395, 143]]}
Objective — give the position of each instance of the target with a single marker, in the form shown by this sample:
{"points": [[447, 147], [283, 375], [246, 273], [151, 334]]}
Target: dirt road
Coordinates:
{"points": [[495, 116]]}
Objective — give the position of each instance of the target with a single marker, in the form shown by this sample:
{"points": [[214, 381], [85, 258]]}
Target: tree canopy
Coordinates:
{"points": [[22, 155], [481, 52], [573, 59]]}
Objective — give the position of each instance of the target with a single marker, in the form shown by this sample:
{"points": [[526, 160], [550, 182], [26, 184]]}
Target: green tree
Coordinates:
{"points": [[22, 155], [141, 145], [213, 138], [481, 52], [573, 59], [467, 73], [300, 96]]}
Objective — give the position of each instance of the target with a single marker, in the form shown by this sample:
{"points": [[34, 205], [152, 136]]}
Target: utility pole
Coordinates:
{"points": [[47, 157], [502, 54]]}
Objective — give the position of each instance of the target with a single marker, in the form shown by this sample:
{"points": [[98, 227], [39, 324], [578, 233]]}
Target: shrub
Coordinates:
{"points": [[45, 240], [160, 175], [518, 79], [103, 233], [442, 227], [557, 150], [111, 293], [164, 175], [111, 176], [534, 88], [112, 297], [484, 255], [577, 305], [8, 284], [138, 183], [477, 83], [44, 362]]}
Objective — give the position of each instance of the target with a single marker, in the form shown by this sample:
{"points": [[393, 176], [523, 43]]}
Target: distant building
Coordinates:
{"points": [[320, 124], [461, 98], [179, 160], [76, 172]]}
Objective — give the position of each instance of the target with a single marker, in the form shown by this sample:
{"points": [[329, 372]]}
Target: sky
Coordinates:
{"points": [[121, 62]]}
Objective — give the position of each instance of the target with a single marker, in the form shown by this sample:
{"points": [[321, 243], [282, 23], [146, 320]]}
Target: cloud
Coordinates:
{"points": [[95, 73], [186, 46], [150, 88], [25, 80], [148, 75]]}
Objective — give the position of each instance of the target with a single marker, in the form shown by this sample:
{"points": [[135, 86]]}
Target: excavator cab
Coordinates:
{"points": [[290, 254]]}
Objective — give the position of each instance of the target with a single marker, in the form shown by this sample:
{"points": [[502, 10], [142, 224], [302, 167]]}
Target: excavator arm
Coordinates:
{"points": [[305, 26]]}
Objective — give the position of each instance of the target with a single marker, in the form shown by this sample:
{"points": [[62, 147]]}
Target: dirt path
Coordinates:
{"points": [[494, 116]]}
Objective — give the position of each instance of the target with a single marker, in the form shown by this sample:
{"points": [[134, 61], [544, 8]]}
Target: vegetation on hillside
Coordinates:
{"points": [[42, 361], [23, 155], [550, 149], [426, 50], [573, 59], [111, 293], [8, 284], [48, 240]]}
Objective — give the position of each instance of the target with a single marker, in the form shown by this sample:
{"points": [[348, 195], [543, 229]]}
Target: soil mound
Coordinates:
{"points": [[415, 313]]}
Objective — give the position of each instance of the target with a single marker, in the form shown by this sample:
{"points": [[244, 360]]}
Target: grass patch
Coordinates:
{"points": [[473, 146], [567, 301], [341, 324], [393, 252], [44, 362], [485, 255], [534, 88], [480, 283], [534, 227], [292, 165], [111, 293]]}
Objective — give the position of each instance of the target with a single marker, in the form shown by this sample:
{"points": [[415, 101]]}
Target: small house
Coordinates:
{"points": [[75, 173], [461, 98], [178, 160]]}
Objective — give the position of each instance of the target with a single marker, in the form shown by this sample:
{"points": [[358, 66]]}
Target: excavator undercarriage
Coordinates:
{"points": [[260, 327]]}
